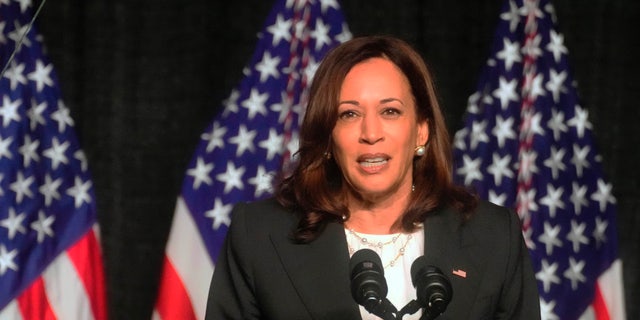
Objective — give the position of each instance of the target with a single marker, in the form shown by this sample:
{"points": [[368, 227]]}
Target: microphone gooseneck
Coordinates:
{"points": [[368, 284], [433, 288]]}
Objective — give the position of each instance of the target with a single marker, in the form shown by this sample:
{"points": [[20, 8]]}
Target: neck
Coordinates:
{"points": [[379, 216]]}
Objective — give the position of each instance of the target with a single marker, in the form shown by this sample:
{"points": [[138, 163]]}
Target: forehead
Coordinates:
{"points": [[373, 77], [375, 66]]}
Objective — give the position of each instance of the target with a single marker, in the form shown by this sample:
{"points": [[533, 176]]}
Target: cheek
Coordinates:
{"points": [[404, 135], [342, 138], [344, 150], [406, 144]]}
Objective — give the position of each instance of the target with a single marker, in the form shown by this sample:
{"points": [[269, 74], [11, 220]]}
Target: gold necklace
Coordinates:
{"points": [[379, 245], [367, 243]]}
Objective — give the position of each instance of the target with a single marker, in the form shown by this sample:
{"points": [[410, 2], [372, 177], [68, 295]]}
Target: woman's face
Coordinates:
{"points": [[377, 130]]}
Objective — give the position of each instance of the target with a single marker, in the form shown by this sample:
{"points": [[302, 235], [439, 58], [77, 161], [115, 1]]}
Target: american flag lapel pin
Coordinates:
{"points": [[460, 273]]}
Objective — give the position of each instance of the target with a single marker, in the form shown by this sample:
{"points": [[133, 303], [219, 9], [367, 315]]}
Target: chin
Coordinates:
{"points": [[367, 192]]}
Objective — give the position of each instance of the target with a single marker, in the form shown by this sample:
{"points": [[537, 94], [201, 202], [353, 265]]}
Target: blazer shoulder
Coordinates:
{"points": [[489, 214], [493, 224], [262, 215], [267, 208]]}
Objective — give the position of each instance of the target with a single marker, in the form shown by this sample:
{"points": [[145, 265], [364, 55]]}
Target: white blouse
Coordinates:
{"points": [[397, 266]]}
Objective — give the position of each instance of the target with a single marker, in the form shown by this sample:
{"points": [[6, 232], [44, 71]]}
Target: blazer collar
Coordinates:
{"points": [[320, 273], [450, 247], [320, 270]]}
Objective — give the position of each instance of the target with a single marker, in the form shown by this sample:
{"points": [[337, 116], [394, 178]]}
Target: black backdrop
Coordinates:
{"points": [[144, 77]]}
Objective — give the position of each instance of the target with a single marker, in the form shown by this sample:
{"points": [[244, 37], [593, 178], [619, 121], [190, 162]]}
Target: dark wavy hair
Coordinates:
{"points": [[315, 189]]}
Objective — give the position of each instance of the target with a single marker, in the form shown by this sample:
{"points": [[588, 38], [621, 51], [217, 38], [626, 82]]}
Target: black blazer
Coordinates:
{"points": [[262, 274]]}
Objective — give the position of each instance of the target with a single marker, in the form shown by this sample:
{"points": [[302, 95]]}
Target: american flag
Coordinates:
{"points": [[527, 144], [246, 145], [50, 256]]}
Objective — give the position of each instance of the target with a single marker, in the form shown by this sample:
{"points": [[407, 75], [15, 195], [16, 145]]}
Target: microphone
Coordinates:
{"points": [[433, 288], [368, 284]]}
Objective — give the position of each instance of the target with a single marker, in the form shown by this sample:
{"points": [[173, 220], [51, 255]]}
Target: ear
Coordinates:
{"points": [[423, 133]]}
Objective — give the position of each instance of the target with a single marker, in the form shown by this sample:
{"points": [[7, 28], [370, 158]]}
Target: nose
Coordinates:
{"points": [[371, 130]]}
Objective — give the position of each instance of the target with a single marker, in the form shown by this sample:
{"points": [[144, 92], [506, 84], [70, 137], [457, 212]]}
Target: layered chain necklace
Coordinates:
{"points": [[378, 246]]}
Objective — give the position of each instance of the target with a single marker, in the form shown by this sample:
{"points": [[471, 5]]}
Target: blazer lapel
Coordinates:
{"points": [[449, 248], [320, 273], [320, 270]]}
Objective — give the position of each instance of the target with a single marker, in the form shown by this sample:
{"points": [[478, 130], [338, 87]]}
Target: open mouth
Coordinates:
{"points": [[372, 162]]}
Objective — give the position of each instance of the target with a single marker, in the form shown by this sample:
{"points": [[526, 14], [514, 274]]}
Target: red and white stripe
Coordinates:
{"points": [[608, 303], [71, 287], [187, 271]]}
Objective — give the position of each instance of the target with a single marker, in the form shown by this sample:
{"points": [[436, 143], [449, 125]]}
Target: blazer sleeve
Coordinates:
{"points": [[231, 290], [519, 298]]}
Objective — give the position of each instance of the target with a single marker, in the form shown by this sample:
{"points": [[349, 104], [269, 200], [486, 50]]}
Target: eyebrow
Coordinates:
{"points": [[356, 103]]}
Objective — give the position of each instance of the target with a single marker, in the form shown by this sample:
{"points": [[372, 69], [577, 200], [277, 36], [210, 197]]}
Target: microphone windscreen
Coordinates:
{"points": [[416, 267], [366, 255], [433, 288], [368, 285]]}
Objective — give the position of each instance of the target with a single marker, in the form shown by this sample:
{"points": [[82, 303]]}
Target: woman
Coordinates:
{"points": [[374, 173]]}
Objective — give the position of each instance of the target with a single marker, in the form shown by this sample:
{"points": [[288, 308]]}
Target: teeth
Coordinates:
{"points": [[373, 162]]}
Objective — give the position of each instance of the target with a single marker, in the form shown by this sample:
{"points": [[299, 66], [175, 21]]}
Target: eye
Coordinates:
{"points": [[391, 112], [348, 114]]}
